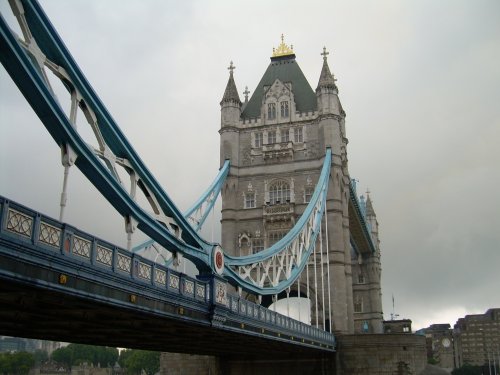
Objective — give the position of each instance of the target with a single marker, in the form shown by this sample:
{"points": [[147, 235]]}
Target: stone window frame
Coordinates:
{"points": [[285, 135], [308, 193], [257, 245], [271, 137], [271, 111], [258, 139], [281, 189], [298, 135], [249, 199], [284, 109], [358, 305]]}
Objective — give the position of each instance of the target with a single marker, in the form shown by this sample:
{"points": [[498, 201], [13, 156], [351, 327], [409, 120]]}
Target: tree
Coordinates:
{"points": [[40, 356], [63, 356], [76, 354], [137, 360], [16, 363]]}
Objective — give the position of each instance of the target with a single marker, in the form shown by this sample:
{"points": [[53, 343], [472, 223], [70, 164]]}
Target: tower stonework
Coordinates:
{"points": [[276, 144]]}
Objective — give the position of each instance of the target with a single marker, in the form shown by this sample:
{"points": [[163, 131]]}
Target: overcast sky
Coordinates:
{"points": [[419, 81]]}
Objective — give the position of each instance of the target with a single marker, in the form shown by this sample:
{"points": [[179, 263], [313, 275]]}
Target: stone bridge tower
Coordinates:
{"points": [[276, 143]]}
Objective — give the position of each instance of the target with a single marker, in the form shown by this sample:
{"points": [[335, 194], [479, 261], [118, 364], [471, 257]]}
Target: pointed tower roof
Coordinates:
{"points": [[326, 78], [231, 92], [369, 207], [283, 67]]}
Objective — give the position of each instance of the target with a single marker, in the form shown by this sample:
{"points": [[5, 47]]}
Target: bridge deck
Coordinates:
{"points": [[52, 289]]}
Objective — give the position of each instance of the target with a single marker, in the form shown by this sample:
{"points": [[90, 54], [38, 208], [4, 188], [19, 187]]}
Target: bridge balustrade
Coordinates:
{"points": [[35, 236]]}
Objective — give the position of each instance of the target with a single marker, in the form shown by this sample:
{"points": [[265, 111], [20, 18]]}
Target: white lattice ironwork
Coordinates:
{"points": [[49, 235], [200, 291], [221, 293], [144, 271], [124, 263], [173, 281], [104, 255], [188, 287], [81, 246], [19, 223], [160, 277], [278, 267]]}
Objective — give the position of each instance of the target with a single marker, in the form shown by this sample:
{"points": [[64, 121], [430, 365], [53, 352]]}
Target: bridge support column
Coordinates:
{"points": [[186, 364]]}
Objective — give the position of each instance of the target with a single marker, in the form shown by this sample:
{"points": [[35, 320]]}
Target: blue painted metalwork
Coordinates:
{"points": [[27, 76], [359, 213], [318, 198], [209, 196], [31, 237], [25, 64]]}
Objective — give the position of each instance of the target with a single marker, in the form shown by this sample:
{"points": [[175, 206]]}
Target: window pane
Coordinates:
{"points": [[285, 135], [258, 139], [271, 111], [271, 137], [297, 134], [284, 109]]}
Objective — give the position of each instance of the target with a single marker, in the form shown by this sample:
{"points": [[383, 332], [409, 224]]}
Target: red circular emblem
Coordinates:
{"points": [[219, 262], [218, 259]]}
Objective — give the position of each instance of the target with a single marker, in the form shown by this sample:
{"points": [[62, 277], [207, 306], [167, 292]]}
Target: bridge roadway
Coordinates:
{"points": [[60, 283]]}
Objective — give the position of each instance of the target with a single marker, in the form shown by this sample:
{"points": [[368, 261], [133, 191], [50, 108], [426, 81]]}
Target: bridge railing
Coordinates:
{"points": [[32, 235], [44, 233], [293, 328]]}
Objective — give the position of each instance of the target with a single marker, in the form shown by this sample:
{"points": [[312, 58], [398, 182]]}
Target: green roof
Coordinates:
{"points": [[286, 70]]}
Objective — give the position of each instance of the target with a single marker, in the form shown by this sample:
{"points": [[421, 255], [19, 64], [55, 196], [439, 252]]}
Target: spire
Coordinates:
{"points": [[369, 207], [231, 93], [326, 78], [246, 92]]}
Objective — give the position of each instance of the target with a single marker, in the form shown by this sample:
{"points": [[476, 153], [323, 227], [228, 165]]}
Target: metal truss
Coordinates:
{"points": [[274, 269], [27, 60], [196, 215], [40, 48]]}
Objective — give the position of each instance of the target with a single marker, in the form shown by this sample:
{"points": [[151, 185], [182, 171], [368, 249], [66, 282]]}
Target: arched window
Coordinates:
{"points": [[284, 109], [279, 192], [358, 306]]}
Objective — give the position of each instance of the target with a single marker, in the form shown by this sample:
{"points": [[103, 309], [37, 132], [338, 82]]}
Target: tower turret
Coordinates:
{"points": [[327, 91], [230, 118], [230, 103]]}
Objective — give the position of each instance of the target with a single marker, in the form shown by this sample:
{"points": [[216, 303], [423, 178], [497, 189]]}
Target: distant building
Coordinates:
{"points": [[397, 326], [477, 338], [439, 343], [19, 344]]}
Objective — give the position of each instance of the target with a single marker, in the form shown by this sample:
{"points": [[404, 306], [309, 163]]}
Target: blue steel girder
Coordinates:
{"points": [[274, 269], [26, 70], [201, 207], [26, 60]]}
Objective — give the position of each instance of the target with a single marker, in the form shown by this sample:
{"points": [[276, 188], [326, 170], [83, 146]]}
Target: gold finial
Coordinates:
{"points": [[282, 49]]}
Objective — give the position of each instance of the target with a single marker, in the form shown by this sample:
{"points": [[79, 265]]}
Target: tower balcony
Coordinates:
{"points": [[279, 213], [278, 151]]}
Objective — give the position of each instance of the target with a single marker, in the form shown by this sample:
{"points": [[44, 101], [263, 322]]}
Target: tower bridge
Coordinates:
{"points": [[292, 223]]}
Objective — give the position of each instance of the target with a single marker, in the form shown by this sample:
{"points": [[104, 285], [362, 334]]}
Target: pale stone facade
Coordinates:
{"points": [[276, 143]]}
